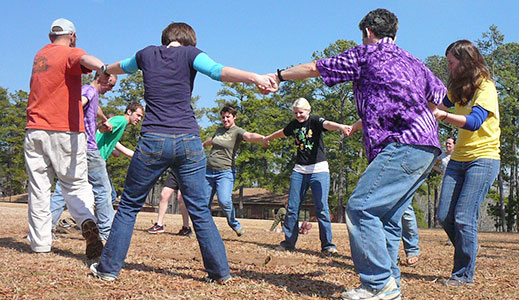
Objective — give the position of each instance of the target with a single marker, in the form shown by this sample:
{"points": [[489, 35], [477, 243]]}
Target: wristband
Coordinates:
{"points": [[446, 114], [279, 75], [103, 69]]}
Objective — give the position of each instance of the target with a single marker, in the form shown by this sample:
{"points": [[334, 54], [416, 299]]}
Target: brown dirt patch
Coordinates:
{"points": [[165, 266]]}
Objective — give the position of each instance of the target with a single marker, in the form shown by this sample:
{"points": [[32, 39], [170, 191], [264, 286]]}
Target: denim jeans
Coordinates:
{"points": [[98, 178], [221, 183], [465, 186], [153, 155], [410, 232], [299, 184], [114, 193], [375, 208]]}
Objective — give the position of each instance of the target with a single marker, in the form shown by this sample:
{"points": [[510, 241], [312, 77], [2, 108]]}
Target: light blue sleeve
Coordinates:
{"points": [[205, 65], [129, 65]]}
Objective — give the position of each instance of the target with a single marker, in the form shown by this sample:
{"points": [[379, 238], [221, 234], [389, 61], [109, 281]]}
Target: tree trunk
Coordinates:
{"points": [[430, 207], [240, 206], [501, 202]]}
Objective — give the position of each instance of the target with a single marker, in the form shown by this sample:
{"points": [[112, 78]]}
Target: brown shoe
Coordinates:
{"points": [[94, 245]]}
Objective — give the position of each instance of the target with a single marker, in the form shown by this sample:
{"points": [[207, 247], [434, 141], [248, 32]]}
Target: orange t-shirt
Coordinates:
{"points": [[55, 97]]}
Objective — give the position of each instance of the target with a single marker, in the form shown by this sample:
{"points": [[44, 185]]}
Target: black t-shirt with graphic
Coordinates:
{"points": [[309, 140]]}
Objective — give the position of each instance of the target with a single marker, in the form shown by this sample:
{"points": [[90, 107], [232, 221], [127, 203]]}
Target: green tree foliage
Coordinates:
{"points": [[13, 176]]}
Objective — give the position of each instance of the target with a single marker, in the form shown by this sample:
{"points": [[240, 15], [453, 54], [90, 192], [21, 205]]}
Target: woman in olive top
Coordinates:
{"points": [[311, 170], [474, 164], [220, 172]]}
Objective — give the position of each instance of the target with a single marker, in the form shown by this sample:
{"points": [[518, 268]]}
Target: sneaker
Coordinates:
{"points": [[185, 231], [94, 245], [101, 275], [330, 251], [222, 281], [240, 231], [390, 291], [156, 228], [457, 282]]}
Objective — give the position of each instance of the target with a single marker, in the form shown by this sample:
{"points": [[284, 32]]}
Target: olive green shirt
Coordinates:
{"points": [[225, 144]]}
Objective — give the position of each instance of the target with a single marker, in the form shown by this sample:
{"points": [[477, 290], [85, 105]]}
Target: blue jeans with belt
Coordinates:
{"points": [[154, 154], [465, 186], [375, 208]]}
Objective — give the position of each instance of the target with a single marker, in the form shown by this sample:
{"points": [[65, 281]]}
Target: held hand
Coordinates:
{"points": [[265, 142], [266, 84], [347, 130]]}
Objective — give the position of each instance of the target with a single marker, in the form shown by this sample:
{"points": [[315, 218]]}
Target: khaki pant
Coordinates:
{"points": [[49, 153]]}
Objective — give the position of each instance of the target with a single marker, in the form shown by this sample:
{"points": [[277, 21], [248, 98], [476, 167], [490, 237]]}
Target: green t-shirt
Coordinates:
{"points": [[106, 141], [225, 145]]}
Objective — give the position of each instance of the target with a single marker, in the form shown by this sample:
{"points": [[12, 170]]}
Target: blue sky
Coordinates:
{"points": [[258, 36]]}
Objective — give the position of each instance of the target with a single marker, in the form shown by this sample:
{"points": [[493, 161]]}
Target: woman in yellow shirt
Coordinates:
{"points": [[474, 164]]}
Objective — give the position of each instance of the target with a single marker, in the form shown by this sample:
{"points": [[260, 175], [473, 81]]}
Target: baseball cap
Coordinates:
{"points": [[67, 27]]}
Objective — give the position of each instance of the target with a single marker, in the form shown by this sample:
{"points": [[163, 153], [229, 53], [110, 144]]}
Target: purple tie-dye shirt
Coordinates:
{"points": [[391, 89], [90, 115]]}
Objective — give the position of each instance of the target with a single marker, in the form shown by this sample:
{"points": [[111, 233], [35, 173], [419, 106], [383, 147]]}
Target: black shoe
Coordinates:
{"points": [[185, 231], [94, 245]]}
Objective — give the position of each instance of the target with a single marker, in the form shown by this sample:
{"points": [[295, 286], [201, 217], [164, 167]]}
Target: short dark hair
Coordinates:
{"points": [[133, 106], [227, 108], [381, 22], [180, 32], [452, 138]]}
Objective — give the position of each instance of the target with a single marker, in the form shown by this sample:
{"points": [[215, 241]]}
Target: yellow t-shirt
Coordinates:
{"points": [[484, 142]]}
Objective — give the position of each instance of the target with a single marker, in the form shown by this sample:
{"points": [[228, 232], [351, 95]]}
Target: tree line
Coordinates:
{"points": [[271, 167]]}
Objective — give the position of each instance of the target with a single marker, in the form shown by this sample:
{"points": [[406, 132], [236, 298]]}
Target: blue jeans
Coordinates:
{"points": [[410, 232], [221, 183], [98, 178], [114, 193], [375, 208], [465, 186], [153, 155], [299, 184]]}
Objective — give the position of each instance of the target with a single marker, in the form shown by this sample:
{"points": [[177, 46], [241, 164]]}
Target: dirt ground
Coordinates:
{"points": [[166, 266]]}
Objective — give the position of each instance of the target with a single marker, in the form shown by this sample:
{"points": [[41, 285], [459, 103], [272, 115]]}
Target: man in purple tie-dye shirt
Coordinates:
{"points": [[392, 90]]}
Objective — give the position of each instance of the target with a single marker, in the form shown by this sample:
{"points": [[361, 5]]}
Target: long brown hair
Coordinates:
{"points": [[469, 74]]}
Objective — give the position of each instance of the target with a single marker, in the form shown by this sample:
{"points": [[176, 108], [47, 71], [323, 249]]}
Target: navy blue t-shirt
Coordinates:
{"points": [[168, 75], [308, 140]]}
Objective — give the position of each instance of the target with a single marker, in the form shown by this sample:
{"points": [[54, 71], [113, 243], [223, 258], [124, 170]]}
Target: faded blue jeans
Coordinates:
{"points": [[375, 208], [98, 178], [299, 184], [410, 236], [221, 183], [465, 186], [154, 154]]}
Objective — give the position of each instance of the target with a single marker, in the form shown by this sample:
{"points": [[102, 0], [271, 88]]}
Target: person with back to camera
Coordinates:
{"points": [[392, 90], [170, 138]]}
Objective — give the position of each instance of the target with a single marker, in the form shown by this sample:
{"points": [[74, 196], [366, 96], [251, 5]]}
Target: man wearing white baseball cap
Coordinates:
{"points": [[55, 139]]}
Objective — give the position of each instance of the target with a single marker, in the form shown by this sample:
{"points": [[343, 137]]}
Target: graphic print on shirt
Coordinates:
{"points": [[222, 139], [304, 138]]}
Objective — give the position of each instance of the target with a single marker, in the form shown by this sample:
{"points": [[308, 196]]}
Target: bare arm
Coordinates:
{"points": [[440, 112], [101, 115], [207, 143], [253, 137], [276, 135], [91, 62], [115, 68], [330, 125], [119, 147], [84, 101], [263, 82]]}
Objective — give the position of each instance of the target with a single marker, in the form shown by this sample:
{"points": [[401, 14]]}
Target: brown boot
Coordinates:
{"points": [[94, 245]]}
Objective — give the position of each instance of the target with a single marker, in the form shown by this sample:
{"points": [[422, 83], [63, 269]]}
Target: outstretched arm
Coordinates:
{"points": [[253, 137], [91, 62], [330, 125], [276, 135], [119, 147]]}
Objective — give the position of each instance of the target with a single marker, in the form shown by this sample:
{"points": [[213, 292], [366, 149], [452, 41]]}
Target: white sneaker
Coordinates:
{"points": [[390, 291]]}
